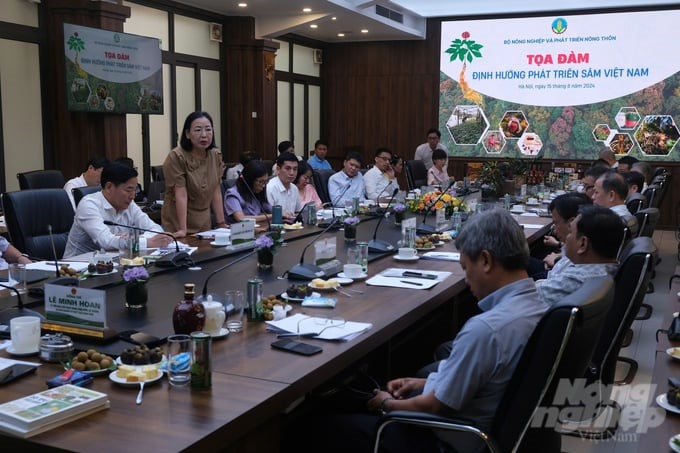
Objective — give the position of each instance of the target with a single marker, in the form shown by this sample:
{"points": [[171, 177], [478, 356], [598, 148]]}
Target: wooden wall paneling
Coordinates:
{"points": [[78, 135]]}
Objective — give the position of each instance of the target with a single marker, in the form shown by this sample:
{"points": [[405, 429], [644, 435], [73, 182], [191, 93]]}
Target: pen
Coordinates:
{"points": [[411, 283]]}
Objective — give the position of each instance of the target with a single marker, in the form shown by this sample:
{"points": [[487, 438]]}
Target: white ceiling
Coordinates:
{"points": [[274, 18]]}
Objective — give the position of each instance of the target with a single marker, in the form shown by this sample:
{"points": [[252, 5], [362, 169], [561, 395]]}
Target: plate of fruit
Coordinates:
{"points": [[92, 362]]}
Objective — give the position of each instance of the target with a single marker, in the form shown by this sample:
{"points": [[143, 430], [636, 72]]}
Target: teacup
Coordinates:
{"points": [[352, 270], [214, 317], [25, 334], [407, 252], [221, 239], [532, 201]]}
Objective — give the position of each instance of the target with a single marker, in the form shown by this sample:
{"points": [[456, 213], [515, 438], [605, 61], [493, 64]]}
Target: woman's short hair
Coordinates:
{"points": [[303, 167], [184, 141], [439, 154], [497, 232]]}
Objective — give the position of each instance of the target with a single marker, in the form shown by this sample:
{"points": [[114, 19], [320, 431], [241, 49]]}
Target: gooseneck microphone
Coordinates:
{"points": [[54, 250], [174, 259], [59, 280], [220, 269], [377, 245], [342, 194], [252, 194], [302, 271], [430, 229], [14, 312]]}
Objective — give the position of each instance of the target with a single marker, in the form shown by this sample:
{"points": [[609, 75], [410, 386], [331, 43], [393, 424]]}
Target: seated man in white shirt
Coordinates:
{"points": [[90, 177], [348, 183], [114, 203], [281, 190], [611, 191], [380, 180]]}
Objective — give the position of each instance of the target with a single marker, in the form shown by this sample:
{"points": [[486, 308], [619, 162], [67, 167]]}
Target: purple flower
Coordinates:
{"points": [[264, 241], [135, 273], [399, 207], [351, 220]]}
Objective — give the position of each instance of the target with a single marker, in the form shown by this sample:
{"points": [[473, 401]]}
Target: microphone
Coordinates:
{"points": [[204, 293], [303, 271], [298, 217], [58, 280], [175, 259], [14, 312], [342, 194], [54, 249], [252, 194], [429, 229], [376, 245]]}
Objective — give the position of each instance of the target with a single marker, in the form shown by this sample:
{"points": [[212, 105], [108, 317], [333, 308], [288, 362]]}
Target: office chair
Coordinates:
{"points": [[28, 214], [647, 221], [416, 174], [80, 192], [41, 179], [631, 282], [635, 202], [320, 178], [157, 173], [652, 194], [559, 349]]}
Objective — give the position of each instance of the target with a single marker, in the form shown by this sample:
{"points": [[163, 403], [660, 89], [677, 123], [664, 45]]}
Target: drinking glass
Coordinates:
{"points": [[409, 237], [179, 360], [17, 272], [353, 255], [234, 304]]}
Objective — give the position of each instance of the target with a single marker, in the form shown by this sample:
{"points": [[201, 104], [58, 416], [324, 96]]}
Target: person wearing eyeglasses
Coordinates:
{"points": [[589, 177], [193, 174], [240, 204], [380, 180], [306, 189], [424, 151]]}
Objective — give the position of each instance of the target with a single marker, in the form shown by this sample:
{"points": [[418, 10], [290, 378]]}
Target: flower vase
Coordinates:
{"points": [[265, 258], [350, 233], [399, 217], [136, 294]]}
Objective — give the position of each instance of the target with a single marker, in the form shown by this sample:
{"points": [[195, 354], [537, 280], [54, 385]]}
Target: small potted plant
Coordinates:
{"points": [[136, 293], [350, 228], [399, 213], [265, 251]]}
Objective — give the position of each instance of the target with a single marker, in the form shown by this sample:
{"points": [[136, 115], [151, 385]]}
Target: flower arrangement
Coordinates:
{"points": [[432, 201], [136, 274], [264, 241], [399, 207], [266, 247], [351, 220]]}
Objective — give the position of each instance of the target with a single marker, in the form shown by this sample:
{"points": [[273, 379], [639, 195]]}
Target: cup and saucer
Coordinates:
{"points": [[407, 254], [220, 240]]}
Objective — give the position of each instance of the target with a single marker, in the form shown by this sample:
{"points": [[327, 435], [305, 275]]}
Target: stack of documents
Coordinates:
{"points": [[444, 256], [324, 328], [396, 277]]}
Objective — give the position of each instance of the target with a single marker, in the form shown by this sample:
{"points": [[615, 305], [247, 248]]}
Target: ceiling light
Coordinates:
{"points": [[242, 5], [364, 30], [313, 26], [334, 18], [306, 10], [341, 35]]}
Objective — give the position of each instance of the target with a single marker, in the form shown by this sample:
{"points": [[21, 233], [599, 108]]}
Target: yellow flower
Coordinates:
{"points": [[455, 202], [439, 205], [446, 198], [421, 206]]}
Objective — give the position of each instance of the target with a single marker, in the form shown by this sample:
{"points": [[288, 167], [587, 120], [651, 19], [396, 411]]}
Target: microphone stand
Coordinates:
{"points": [[14, 312], [58, 280], [377, 245], [204, 293], [344, 191], [175, 258], [302, 271], [429, 229]]}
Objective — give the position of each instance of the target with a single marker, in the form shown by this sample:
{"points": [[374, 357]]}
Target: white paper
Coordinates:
{"points": [[393, 277], [210, 234], [328, 328], [49, 265], [444, 256]]}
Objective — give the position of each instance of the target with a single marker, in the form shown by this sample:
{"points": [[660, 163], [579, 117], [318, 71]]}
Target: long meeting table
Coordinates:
{"points": [[253, 385]]}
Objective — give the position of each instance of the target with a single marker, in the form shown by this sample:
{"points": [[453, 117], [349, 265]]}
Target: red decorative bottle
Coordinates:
{"points": [[188, 315]]}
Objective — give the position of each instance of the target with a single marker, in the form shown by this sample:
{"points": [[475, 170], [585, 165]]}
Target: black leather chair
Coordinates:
{"points": [[635, 202], [653, 195], [559, 348], [631, 281], [647, 221], [320, 178], [416, 174], [41, 179], [157, 173], [28, 214], [80, 192]]}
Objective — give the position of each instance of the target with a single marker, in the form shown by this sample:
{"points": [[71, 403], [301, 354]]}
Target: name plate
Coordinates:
{"points": [[75, 306], [242, 232]]}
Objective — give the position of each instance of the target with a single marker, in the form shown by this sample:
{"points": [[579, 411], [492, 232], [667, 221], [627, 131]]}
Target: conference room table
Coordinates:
{"points": [[253, 385]]}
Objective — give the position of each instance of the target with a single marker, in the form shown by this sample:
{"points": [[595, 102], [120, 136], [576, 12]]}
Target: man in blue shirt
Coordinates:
{"points": [[471, 382], [318, 160], [348, 183]]}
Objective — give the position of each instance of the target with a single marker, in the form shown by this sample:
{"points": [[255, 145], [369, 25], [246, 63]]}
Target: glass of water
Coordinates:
{"points": [[179, 360], [234, 305]]}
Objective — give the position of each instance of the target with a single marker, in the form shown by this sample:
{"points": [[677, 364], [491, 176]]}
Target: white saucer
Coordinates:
{"points": [[11, 351], [360, 277], [673, 445], [284, 296], [413, 258], [223, 333], [662, 401], [218, 245], [344, 280], [122, 381]]}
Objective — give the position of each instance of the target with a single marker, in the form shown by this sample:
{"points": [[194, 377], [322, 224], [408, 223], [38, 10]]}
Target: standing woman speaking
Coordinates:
{"points": [[193, 172]]}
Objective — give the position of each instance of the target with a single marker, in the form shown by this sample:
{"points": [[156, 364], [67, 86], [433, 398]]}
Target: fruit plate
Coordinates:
{"points": [[113, 367], [673, 353], [121, 381], [662, 401], [285, 296], [325, 289], [159, 365]]}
